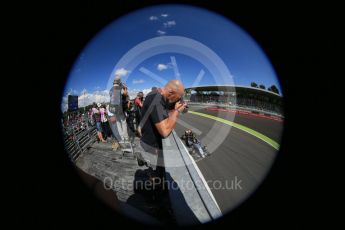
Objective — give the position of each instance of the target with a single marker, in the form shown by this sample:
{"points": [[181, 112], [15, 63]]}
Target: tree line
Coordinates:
{"points": [[272, 88]]}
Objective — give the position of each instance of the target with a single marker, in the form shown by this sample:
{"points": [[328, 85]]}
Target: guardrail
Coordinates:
{"points": [[78, 141], [191, 198]]}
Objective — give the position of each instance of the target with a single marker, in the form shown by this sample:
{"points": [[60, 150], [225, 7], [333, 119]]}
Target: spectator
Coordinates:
{"points": [[104, 122], [91, 121], [158, 122], [154, 89], [97, 118], [130, 118], [126, 102], [138, 104], [113, 128], [118, 96]]}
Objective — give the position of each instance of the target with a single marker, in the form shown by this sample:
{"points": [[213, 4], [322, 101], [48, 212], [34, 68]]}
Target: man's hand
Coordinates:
{"points": [[167, 125], [180, 106]]}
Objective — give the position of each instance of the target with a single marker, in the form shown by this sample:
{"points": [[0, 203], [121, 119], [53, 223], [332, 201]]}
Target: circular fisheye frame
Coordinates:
{"points": [[172, 115]]}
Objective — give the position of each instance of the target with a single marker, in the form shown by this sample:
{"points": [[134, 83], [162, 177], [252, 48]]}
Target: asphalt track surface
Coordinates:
{"points": [[240, 161]]}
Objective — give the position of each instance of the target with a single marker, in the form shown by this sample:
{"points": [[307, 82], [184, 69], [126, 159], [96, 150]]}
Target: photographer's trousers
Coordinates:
{"points": [[122, 126]]}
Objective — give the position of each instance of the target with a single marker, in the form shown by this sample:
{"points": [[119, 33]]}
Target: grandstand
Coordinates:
{"points": [[236, 96]]}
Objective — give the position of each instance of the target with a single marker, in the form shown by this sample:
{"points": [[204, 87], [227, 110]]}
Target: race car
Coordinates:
{"points": [[194, 145]]}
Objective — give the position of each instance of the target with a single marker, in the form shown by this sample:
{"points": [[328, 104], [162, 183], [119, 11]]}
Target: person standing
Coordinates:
{"points": [[97, 118], [118, 93], [138, 103], [104, 122], [158, 121]]}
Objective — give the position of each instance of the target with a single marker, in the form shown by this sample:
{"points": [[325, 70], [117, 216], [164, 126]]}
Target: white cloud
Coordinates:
{"points": [[122, 72], [164, 15], [161, 67], [133, 92], [153, 18], [169, 24], [84, 91], [72, 92], [86, 98], [99, 96], [138, 81], [160, 32]]}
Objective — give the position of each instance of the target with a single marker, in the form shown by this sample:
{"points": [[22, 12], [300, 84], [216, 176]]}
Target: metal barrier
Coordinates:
{"points": [[191, 198], [79, 140]]}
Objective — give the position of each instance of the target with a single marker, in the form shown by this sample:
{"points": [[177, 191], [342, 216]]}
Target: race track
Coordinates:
{"points": [[239, 160]]}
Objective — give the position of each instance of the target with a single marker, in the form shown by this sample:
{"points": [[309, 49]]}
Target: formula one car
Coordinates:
{"points": [[194, 145]]}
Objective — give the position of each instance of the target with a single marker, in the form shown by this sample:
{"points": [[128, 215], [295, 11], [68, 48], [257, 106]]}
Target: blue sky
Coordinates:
{"points": [[242, 56]]}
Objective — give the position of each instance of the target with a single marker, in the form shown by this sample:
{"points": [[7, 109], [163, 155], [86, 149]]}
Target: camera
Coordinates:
{"points": [[171, 106], [185, 110]]}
